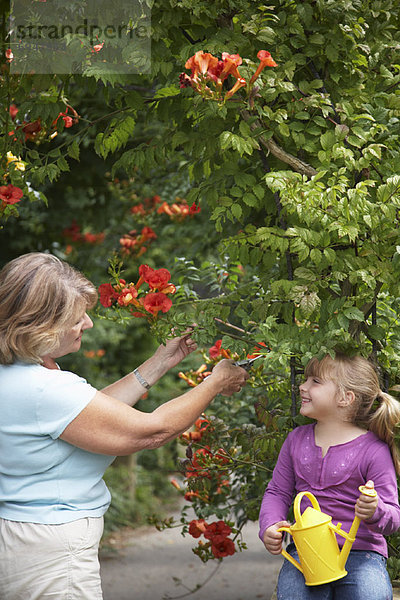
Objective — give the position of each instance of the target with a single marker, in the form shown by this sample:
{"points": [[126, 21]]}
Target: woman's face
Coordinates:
{"points": [[70, 340]]}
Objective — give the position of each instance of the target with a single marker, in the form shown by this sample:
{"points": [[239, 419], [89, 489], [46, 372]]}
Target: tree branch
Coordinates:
{"points": [[297, 165]]}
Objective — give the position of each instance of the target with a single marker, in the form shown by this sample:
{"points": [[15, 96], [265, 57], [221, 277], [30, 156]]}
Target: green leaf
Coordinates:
{"points": [[354, 313], [236, 211], [167, 92], [73, 150]]}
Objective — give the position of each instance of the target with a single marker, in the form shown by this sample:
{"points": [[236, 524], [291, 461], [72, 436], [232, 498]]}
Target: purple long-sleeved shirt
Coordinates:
{"points": [[334, 480]]}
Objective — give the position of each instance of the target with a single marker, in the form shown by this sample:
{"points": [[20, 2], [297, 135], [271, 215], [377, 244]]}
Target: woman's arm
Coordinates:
{"points": [[130, 390], [109, 426]]}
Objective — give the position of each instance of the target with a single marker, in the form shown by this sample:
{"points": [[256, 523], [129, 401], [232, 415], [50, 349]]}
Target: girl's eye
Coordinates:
{"points": [[316, 380]]}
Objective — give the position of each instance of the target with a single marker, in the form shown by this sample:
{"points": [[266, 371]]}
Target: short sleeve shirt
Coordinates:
{"points": [[44, 479]]}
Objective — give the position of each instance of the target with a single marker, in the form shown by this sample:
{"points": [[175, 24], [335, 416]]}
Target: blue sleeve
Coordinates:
{"points": [[59, 398]]}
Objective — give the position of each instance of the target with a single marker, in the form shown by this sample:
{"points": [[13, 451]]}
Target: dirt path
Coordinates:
{"points": [[149, 564]]}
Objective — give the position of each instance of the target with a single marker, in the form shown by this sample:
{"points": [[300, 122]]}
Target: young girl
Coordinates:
{"points": [[350, 443]]}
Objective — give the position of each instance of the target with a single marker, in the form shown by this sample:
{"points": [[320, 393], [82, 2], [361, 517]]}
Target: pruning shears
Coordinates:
{"points": [[247, 363]]}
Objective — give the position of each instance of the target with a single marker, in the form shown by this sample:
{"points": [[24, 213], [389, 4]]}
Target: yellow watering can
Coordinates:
{"points": [[321, 560]]}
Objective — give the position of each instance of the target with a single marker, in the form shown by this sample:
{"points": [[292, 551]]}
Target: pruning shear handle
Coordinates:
{"points": [[247, 362]]}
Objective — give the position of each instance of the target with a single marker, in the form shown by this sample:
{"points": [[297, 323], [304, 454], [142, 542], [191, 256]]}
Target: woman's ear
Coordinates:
{"points": [[347, 398]]}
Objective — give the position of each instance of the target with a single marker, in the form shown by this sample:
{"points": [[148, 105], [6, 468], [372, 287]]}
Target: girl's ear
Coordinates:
{"points": [[347, 399]]}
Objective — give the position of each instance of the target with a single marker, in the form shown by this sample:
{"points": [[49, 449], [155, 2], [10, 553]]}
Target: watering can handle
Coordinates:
{"points": [[296, 506], [287, 555]]}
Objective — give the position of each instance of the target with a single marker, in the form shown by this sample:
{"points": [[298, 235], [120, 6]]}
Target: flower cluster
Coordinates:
{"points": [[34, 131], [200, 427], [208, 73], [94, 353], [147, 206], [74, 234], [16, 162], [132, 296], [134, 244], [69, 119], [218, 532], [215, 354], [179, 210]]}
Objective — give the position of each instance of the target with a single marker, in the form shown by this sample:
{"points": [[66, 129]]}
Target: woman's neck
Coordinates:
{"points": [[49, 363]]}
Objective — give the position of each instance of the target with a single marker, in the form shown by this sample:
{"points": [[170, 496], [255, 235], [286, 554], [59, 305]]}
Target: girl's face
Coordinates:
{"points": [[319, 399], [70, 340]]}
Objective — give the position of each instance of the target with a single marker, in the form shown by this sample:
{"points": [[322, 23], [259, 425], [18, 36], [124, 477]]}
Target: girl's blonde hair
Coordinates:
{"points": [[40, 297], [373, 409]]}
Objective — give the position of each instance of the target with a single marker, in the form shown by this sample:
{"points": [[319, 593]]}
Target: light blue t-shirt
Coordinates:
{"points": [[42, 478]]}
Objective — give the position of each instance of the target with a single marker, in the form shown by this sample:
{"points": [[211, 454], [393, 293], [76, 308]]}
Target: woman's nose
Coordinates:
{"points": [[87, 323]]}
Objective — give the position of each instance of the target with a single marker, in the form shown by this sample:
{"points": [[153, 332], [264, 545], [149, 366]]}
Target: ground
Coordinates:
{"points": [[151, 565]]}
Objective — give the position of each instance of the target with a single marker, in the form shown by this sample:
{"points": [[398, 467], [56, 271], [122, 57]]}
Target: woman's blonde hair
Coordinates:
{"points": [[373, 409], [40, 297]]}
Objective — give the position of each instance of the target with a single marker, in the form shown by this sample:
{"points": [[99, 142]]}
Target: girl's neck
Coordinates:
{"points": [[327, 434]]}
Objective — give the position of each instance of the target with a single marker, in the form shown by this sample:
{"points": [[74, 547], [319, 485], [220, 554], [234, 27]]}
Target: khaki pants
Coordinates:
{"points": [[50, 562]]}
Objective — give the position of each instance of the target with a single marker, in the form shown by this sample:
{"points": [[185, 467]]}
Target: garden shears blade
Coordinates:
{"points": [[247, 362]]}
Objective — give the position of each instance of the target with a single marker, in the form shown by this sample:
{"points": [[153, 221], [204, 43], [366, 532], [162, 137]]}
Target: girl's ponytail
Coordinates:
{"points": [[383, 421]]}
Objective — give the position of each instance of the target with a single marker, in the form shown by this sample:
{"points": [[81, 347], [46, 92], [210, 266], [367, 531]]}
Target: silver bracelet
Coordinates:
{"points": [[141, 380]]}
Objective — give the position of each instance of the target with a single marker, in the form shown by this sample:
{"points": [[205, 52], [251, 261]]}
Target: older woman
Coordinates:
{"points": [[58, 434]]}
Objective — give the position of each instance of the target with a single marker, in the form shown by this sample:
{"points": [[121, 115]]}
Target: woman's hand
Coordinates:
{"points": [[273, 538], [231, 377], [366, 505], [176, 349]]}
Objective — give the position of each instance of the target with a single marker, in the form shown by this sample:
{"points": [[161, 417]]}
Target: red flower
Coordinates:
{"points": [[217, 530], [194, 209], [127, 295], [230, 65], [257, 352], [156, 302], [221, 456], [10, 194], [13, 110], [155, 278], [239, 84], [97, 47], [9, 55], [266, 60], [107, 294], [216, 350], [175, 483], [201, 424], [68, 121], [197, 527], [31, 130], [189, 496], [222, 547], [201, 62]]}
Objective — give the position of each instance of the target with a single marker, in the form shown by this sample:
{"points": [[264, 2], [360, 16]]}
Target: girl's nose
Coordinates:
{"points": [[303, 386]]}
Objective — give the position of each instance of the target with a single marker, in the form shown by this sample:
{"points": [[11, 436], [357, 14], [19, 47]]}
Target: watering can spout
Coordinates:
{"points": [[367, 490]]}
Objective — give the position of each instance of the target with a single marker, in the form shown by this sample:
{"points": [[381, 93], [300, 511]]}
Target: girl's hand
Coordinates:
{"points": [[273, 538], [366, 505]]}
